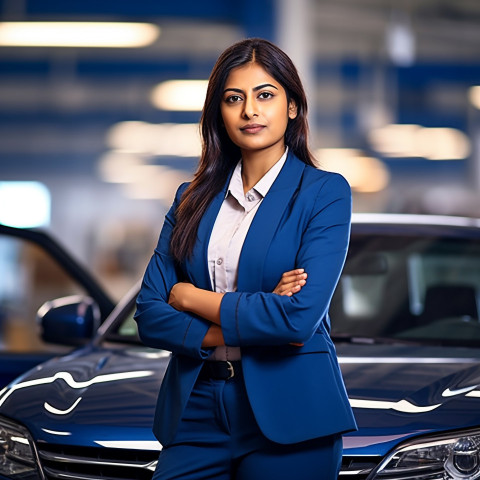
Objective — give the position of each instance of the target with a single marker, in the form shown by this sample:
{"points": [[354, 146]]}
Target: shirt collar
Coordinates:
{"points": [[235, 186], [264, 184]]}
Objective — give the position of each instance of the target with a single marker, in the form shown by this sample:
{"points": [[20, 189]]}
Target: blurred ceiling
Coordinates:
{"points": [[444, 30], [58, 104]]}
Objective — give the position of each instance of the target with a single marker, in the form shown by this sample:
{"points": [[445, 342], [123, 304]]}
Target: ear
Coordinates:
{"points": [[292, 110]]}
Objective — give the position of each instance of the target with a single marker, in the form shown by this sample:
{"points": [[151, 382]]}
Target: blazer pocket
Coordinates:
{"points": [[297, 397]]}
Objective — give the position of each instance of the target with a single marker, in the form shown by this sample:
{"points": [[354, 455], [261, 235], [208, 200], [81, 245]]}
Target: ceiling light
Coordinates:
{"points": [[156, 185], [474, 96], [180, 95], [400, 40], [442, 144], [165, 139], [364, 174], [415, 141], [78, 34], [116, 167], [396, 140]]}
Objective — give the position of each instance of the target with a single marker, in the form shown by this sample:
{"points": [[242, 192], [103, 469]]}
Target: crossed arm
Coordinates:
{"points": [[185, 297]]}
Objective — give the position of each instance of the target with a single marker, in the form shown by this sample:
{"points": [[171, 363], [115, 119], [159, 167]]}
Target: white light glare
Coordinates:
{"points": [[400, 40], [166, 139], [180, 95], [131, 444], [78, 34], [24, 204], [141, 180], [364, 174], [474, 96], [415, 141]]}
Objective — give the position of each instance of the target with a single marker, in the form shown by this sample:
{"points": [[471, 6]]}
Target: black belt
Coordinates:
{"points": [[218, 370]]}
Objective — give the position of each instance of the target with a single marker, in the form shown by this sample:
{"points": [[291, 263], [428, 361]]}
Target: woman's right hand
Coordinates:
{"points": [[291, 282]]}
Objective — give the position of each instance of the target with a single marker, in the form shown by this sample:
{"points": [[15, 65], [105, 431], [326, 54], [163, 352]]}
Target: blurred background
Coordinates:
{"points": [[100, 102]]}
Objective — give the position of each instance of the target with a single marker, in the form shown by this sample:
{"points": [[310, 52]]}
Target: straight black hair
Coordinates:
{"points": [[219, 154]]}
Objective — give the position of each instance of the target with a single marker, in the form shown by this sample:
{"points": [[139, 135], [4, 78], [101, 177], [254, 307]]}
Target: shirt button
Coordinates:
{"points": [[250, 197], [219, 261]]}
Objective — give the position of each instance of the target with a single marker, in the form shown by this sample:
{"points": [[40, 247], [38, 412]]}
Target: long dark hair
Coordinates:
{"points": [[219, 154]]}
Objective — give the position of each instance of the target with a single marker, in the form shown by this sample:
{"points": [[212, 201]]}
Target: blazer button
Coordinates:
{"points": [[219, 261]]}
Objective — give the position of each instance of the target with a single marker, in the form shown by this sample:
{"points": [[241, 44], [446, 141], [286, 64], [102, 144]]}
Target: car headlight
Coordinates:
{"points": [[17, 458], [453, 457]]}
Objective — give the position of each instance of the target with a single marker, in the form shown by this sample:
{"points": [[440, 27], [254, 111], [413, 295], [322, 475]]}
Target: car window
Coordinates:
{"points": [[423, 289], [29, 277], [128, 328]]}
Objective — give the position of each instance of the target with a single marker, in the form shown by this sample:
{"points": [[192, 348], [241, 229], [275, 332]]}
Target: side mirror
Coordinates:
{"points": [[69, 320]]}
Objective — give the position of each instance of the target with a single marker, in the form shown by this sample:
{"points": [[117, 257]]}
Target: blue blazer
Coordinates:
{"points": [[296, 393]]}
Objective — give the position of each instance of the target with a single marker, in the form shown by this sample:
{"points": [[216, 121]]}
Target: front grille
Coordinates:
{"points": [[357, 468], [91, 463], [414, 473]]}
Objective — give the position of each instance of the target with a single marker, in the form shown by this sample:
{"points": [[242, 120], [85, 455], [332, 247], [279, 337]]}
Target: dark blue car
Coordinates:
{"points": [[407, 330]]}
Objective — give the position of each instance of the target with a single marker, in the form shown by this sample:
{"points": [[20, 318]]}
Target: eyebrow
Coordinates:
{"points": [[255, 89]]}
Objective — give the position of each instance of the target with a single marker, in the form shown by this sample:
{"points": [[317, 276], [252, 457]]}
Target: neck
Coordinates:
{"points": [[255, 164]]}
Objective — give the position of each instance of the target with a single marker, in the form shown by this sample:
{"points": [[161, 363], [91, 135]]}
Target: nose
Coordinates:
{"points": [[250, 108]]}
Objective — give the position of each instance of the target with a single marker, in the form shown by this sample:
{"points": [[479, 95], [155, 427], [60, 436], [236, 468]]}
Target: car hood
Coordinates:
{"points": [[104, 395], [399, 391], [94, 394]]}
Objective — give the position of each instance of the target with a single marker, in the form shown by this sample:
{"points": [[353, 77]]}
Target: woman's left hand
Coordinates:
{"points": [[291, 282]]}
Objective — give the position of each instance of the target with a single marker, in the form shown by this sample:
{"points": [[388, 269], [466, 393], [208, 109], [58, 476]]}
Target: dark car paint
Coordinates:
{"points": [[107, 405]]}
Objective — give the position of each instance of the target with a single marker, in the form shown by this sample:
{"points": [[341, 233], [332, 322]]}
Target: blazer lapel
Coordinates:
{"points": [[265, 224], [198, 264]]}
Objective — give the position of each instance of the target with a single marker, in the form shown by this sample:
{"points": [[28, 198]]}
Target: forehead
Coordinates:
{"points": [[249, 76]]}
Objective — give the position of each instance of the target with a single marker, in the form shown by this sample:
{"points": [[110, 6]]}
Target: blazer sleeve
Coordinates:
{"points": [[264, 318], [159, 324]]}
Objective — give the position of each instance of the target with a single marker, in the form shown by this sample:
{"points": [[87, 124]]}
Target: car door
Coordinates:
{"points": [[34, 268]]}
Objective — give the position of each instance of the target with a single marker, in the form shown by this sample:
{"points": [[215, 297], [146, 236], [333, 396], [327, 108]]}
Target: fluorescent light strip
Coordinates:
{"points": [[474, 96], [180, 95], [78, 34]]}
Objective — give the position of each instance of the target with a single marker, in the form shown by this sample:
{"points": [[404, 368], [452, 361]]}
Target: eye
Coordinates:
{"points": [[265, 95], [233, 99]]}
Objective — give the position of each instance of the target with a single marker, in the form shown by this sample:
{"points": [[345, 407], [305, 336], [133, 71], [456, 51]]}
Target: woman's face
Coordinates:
{"points": [[255, 110]]}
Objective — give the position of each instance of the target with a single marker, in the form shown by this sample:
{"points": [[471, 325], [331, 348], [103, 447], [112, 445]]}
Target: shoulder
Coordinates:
{"points": [[321, 181], [181, 189], [178, 195], [328, 194]]}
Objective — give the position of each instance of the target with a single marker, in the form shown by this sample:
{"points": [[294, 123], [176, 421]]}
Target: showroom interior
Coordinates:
{"points": [[91, 151]]}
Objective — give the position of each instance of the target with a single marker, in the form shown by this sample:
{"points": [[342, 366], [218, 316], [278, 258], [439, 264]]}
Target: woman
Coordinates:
{"points": [[253, 389]]}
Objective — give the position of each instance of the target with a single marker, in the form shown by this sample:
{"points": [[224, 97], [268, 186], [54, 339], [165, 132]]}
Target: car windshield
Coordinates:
{"points": [[397, 288], [409, 288]]}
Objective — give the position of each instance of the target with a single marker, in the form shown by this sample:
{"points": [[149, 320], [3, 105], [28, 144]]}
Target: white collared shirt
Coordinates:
{"points": [[228, 235]]}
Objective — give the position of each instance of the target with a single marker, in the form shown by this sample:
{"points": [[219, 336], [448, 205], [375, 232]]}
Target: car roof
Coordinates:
{"points": [[414, 219]]}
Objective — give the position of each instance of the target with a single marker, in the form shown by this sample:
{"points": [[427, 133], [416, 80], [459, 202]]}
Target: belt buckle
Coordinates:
{"points": [[231, 370]]}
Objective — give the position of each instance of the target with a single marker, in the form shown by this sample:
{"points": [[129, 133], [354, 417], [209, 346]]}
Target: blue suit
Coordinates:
{"points": [[296, 393]]}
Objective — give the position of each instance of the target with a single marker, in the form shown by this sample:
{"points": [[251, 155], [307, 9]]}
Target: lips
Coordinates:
{"points": [[252, 128]]}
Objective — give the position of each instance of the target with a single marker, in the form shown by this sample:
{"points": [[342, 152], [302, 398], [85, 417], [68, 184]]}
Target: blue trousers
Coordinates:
{"points": [[219, 439]]}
